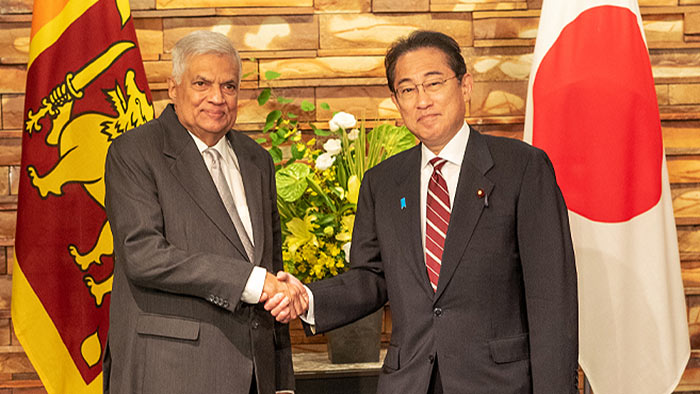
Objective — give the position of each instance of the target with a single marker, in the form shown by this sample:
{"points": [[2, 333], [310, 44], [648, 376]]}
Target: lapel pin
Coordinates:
{"points": [[403, 202], [482, 194]]}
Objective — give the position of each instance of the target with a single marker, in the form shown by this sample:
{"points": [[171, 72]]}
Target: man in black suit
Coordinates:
{"points": [[193, 207], [467, 236]]}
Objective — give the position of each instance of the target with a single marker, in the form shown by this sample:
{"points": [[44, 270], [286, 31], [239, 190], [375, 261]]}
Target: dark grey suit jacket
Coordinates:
{"points": [[176, 321], [504, 318]]}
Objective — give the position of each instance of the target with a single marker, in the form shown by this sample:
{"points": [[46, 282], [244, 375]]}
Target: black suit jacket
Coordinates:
{"points": [[504, 317], [176, 321]]}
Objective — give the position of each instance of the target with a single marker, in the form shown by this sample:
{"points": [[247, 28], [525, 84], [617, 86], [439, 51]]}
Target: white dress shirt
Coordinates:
{"points": [[229, 163], [453, 152]]}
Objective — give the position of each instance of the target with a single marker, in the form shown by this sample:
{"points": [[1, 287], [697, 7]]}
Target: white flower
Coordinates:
{"points": [[346, 249], [324, 161], [342, 120], [332, 146], [353, 134]]}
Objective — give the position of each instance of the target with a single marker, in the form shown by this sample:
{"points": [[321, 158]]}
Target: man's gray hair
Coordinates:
{"points": [[202, 42]]}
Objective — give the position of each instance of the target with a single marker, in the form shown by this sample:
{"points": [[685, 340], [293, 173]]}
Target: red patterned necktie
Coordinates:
{"points": [[437, 218]]}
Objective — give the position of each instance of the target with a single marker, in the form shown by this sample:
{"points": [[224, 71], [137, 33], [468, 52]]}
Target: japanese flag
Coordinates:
{"points": [[592, 107]]}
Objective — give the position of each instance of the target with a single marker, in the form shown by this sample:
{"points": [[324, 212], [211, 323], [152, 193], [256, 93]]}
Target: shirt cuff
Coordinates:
{"points": [[309, 317], [254, 287]]}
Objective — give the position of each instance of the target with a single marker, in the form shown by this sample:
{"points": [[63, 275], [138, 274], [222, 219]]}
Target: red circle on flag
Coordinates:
{"points": [[596, 116]]}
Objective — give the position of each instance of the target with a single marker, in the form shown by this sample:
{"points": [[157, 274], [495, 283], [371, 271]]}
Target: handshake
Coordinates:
{"points": [[284, 296]]}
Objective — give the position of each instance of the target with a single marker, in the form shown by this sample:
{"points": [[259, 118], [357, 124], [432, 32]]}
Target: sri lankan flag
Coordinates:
{"points": [[85, 86]]}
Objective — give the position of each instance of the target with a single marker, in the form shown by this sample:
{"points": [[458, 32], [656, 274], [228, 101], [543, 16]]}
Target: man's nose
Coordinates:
{"points": [[216, 95], [423, 98]]}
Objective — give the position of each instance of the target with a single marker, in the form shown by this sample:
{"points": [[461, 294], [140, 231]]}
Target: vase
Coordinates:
{"points": [[357, 342]]}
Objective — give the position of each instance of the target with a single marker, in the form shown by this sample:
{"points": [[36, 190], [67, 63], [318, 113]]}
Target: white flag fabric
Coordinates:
{"points": [[592, 107]]}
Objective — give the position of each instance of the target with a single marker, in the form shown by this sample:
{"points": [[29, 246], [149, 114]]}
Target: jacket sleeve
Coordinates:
{"points": [[362, 289], [549, 275]]}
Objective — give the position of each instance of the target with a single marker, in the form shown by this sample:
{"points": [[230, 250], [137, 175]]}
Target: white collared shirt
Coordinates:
{"points": [[453, 152], [232, 173]]}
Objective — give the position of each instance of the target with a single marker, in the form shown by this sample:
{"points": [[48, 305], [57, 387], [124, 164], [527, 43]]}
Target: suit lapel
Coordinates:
{"points": [[252, 182], [408, 219], [188, 167], [467, 206]]}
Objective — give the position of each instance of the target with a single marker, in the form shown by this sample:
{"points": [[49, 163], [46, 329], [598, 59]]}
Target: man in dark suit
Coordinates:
{"points": [[192, 205], [467, 236]]}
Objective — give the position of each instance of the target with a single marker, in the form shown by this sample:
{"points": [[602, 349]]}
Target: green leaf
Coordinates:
{"points": [[270, 75], [264, 96], [246, 75], [291, 181], [326, 106], [275, 139], [284, 100], [261, 140], [276, 154], [297, 153], [307, 106], [291, 115], [320, 132], [273, 116]]}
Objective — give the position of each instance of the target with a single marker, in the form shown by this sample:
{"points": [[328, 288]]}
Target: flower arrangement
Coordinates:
{"points": [[317, 189]]}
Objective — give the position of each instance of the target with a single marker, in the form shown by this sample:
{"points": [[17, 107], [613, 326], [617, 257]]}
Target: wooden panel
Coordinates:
{"points": [[492, 68], [250, 33], [7, 237], [662, 94], [15, 6], [322, 6], [684, 93], [663, 28], [400, 6], [10, 151], [689, 2], [692, 23], [681, 137], [498, 98], [149, 32], [370, 102], [142, 4], [675, 66], [4, 187], [684, 170], [14, 42], [501, 28], [475, 5], [12, 79], [326, 67], [686, 206], [379, 31], [657, 3], [12, 111], [689, 243], [230, 3]]}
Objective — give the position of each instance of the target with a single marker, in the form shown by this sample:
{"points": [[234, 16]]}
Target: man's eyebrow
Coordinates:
{"points": [[428, 74]]}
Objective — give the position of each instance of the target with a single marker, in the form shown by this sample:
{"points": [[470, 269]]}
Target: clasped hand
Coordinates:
{"points": [[284, 296]]}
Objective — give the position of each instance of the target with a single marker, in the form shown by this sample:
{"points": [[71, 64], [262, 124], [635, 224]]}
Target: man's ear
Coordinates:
{"points": [[395, 101], [172, 88], [466, 85]]}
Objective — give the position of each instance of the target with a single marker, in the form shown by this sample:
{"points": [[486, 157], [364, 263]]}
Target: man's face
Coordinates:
{"points": [[433, 117], [206, 99]]}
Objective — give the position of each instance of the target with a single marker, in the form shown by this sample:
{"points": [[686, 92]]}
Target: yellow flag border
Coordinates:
{"points": [[42, 343]]}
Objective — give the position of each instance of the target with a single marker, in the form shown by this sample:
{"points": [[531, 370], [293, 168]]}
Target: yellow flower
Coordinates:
{"points": [[346, 224], [301, 232], [353, 189]]}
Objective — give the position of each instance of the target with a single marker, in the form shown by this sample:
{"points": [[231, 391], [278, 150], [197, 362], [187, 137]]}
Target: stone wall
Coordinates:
{"points": [[332, 51]]}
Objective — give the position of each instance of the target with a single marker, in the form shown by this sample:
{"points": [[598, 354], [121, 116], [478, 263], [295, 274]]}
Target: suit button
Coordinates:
{"points": [[431, 359], [255, 324], [437, 312]]}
